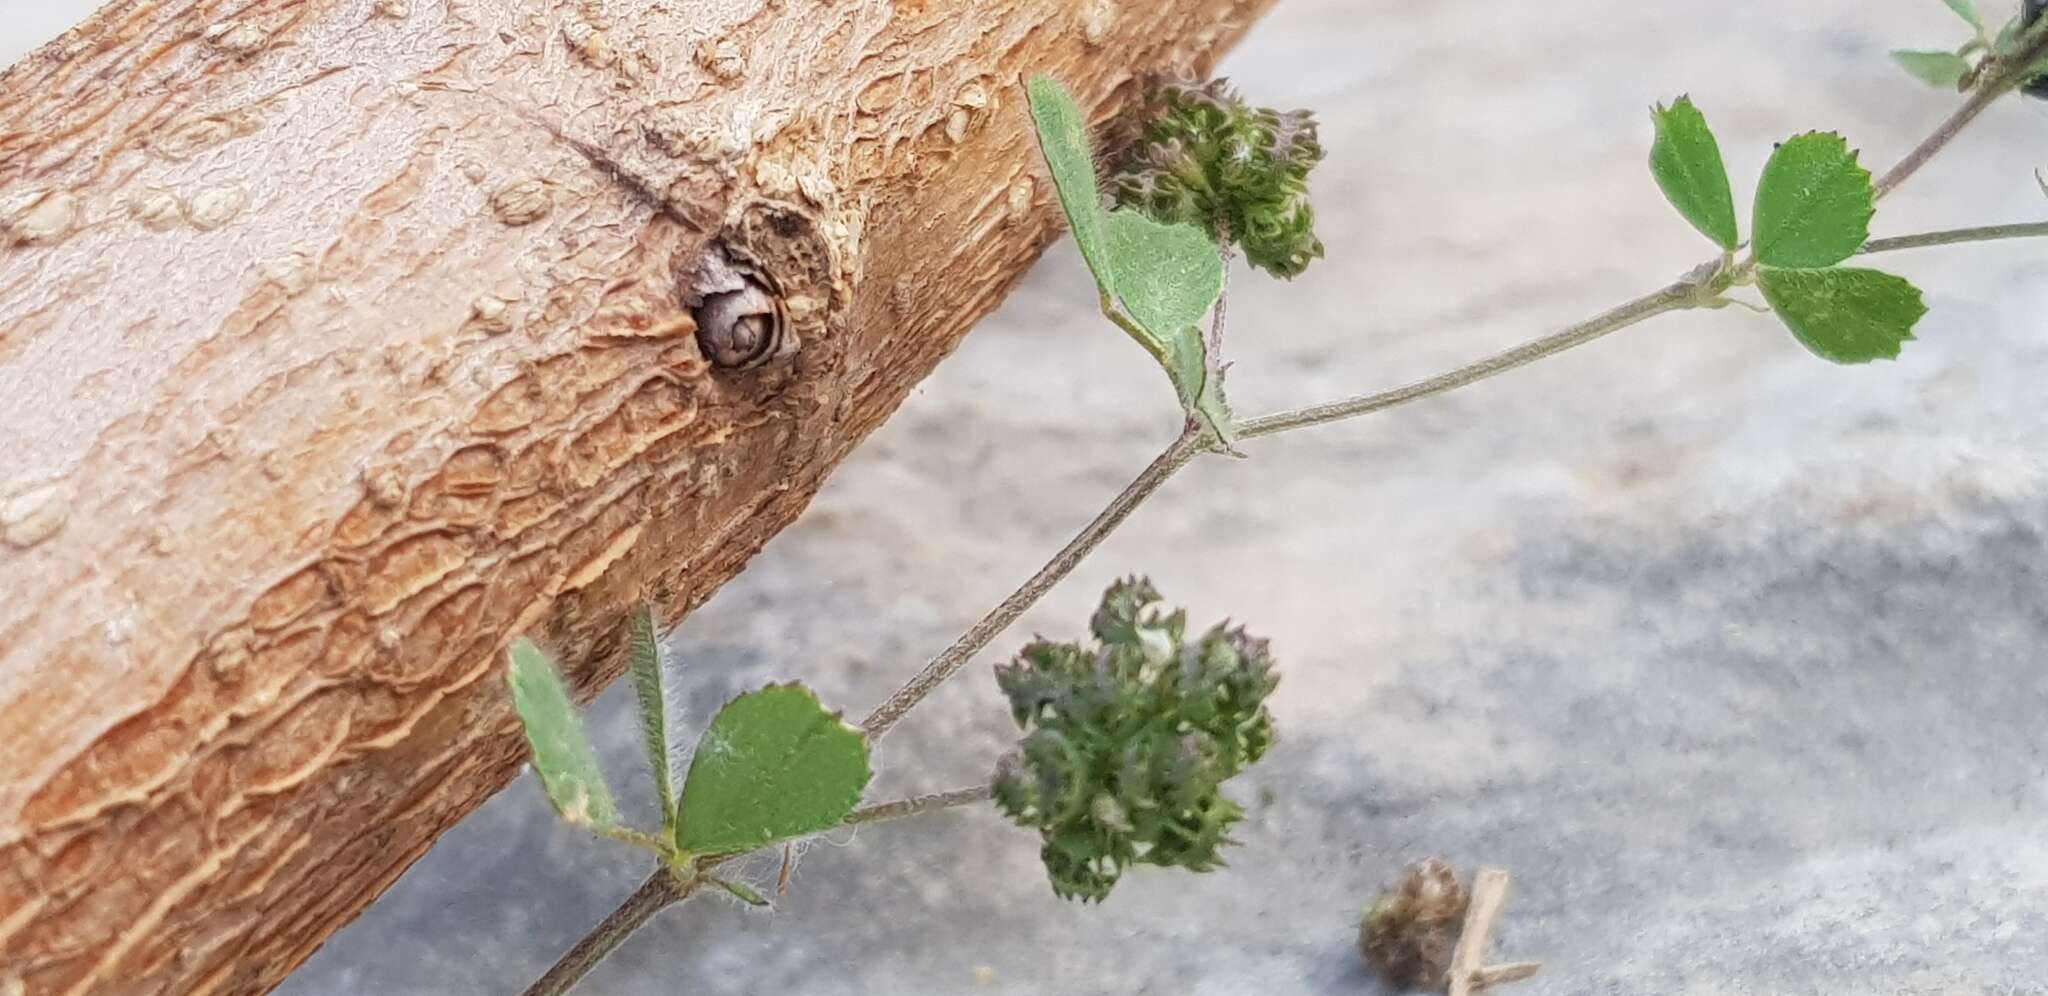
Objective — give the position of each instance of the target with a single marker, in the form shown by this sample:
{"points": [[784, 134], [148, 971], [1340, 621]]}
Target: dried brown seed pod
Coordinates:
{"points": [[1409, 931]]}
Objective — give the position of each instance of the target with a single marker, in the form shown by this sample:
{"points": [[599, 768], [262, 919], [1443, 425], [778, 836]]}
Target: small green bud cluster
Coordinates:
{"points": [[1128, 743], [1207, 159]]}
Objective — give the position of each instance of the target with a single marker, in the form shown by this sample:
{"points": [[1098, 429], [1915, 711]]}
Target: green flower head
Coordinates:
{"points": [[1127, 743], [1205, 158]]}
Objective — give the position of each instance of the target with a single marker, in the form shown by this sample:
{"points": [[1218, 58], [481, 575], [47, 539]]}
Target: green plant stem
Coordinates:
{"points": [[1682, 294], [917, 805], [1980, 99], [953, 658], [1222, 309], [1674, 297], [661, 890], [627, 835], [654, 895], [2003, 78], [1957, 236]]}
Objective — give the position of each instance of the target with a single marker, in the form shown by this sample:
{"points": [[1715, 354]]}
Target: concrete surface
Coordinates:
{"points": [[1731, 656]]}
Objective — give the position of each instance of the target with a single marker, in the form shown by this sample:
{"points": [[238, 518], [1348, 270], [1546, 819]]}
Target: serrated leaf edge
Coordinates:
{"points": [[1659, 115], [1919, 301], [1855, 162]]}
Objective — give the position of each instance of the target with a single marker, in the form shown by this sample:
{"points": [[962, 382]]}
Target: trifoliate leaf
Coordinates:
{"points": [[1844, 314], [773, 765], [1967, 10], [650, 688], [1941, 70], [1164, 276], [1813, 205], [1686, 161], [561, 755]]}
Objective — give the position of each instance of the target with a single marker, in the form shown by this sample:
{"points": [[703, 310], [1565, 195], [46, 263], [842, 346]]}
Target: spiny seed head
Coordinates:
{"points": [[1127, 743], [1408, 932], [1208, 159]]}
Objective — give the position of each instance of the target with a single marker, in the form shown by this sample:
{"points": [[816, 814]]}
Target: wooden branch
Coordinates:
{"points": [[1512, 971], [1469, 971], [342, 340]]}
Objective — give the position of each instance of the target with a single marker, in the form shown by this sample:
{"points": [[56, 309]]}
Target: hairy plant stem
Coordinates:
{"points": [[917, 805], [1674, 297], [2002, 78], [654, 895], [1957, 236], [1220, 313], [1980, 99], [1699, 288], [1696, 289], [953, 658], [1670, 298]]}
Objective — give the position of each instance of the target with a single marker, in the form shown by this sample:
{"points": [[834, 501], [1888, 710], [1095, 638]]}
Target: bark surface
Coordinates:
{"points": [[342, 340]]}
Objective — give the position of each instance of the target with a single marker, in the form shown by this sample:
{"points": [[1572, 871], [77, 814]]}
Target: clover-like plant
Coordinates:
{"points": [[1959, 68], [1128, 742], [1812, 211], [773, 765]]}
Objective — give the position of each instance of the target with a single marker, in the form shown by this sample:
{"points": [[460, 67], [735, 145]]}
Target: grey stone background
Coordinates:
{"points": [[1731, 656]]}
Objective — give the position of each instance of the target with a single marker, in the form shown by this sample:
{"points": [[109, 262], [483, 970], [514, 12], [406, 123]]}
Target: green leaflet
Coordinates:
{"points": [[773, 765], [1844, 314], [1941, 70], [1686, 160], [1063, 140], [1166, 277], [563, 758], [1813, 205], [650, 689], [1967, 10]]}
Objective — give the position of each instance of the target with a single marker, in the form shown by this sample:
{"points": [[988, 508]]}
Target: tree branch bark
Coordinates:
{"points": [[343, 340]]}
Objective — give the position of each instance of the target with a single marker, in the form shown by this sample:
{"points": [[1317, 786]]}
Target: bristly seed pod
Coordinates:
{"points": [[1410, 930], [1127, 743], [1206, 158]]}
